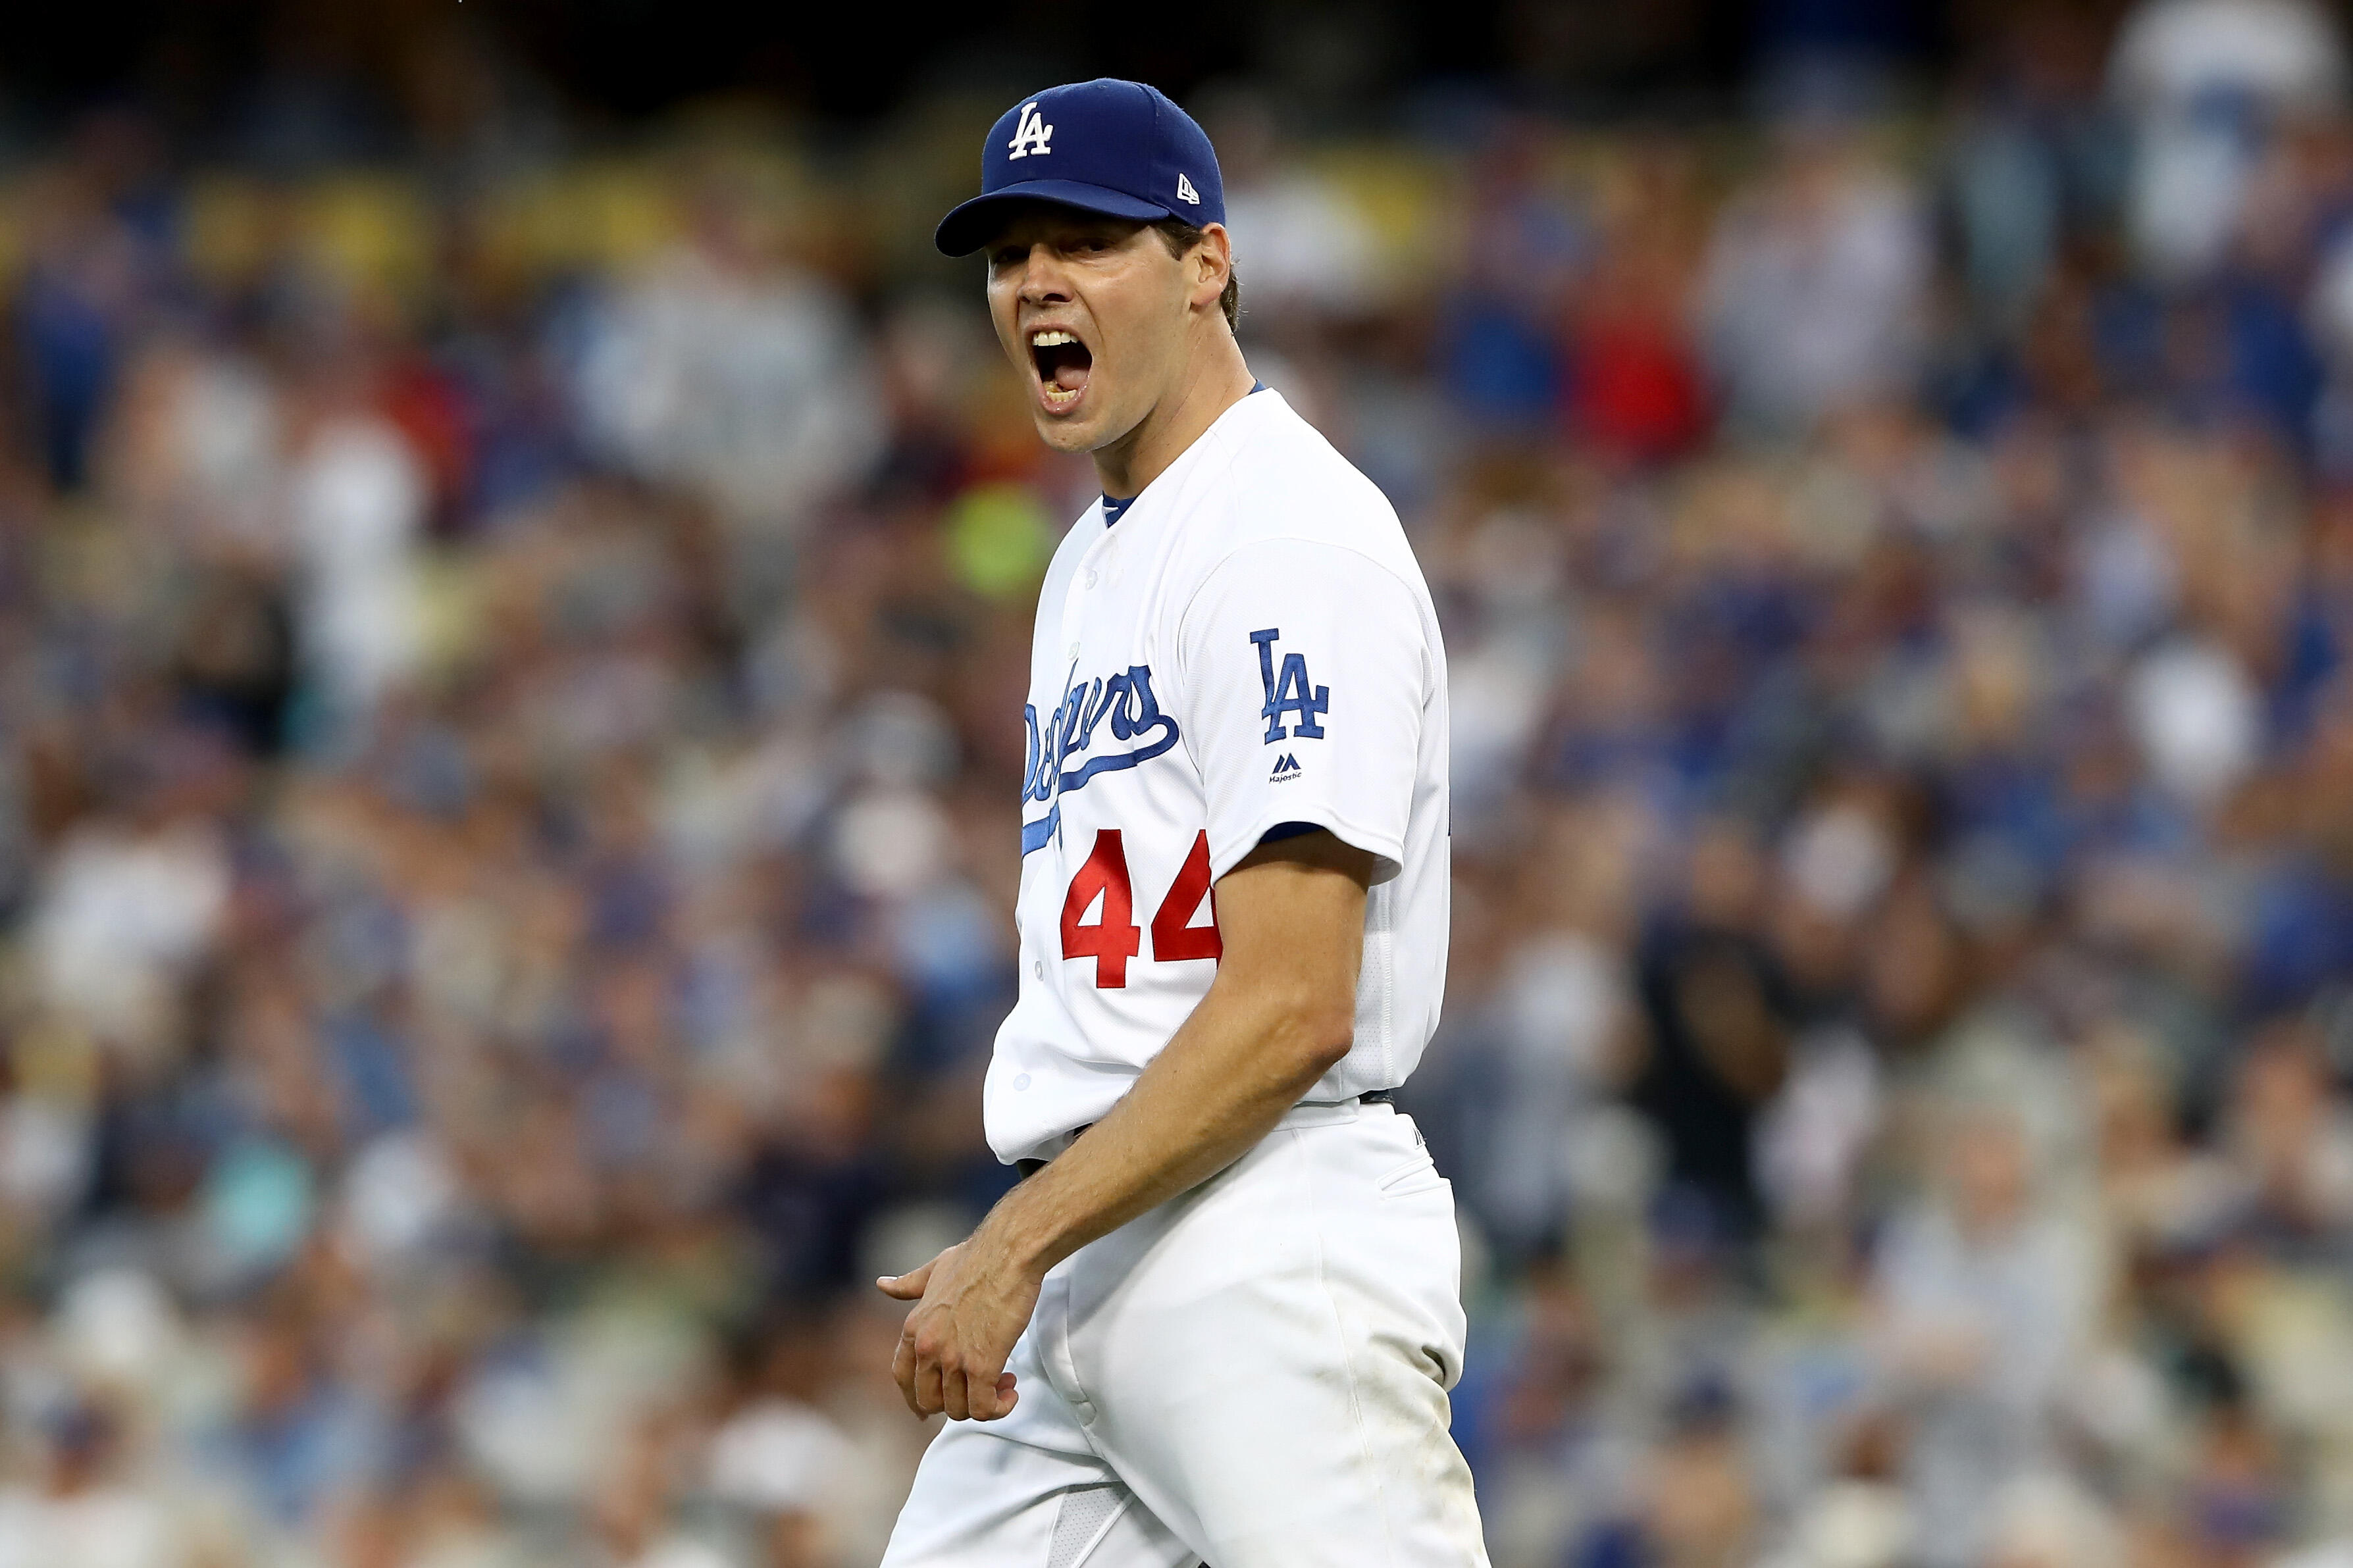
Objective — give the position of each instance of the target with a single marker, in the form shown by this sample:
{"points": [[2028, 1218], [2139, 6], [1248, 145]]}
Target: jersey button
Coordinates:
{"points": [[1091, 577], [1038, 968]]}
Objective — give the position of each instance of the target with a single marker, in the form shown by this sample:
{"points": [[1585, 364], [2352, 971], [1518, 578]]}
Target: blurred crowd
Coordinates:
{"points": [[511, 663]]}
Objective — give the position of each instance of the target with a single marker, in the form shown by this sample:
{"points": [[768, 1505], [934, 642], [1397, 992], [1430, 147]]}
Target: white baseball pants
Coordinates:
{"points": [[1253, 1375]]}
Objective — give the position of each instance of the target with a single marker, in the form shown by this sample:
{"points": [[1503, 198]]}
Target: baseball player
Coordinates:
{"points": [[1218, 1316]]}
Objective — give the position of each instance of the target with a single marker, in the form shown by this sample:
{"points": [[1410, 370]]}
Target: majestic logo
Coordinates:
{"points": [[1286, 768], [1031, 135], [1126, 701], [1289, 692], [1185, 191]]}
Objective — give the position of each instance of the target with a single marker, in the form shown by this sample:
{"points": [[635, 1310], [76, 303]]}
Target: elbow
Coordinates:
{"points": [[1294, 1027], [1318, 1037]]}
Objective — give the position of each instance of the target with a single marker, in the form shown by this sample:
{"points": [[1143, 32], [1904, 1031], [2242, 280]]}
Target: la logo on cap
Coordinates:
{"points": [[1031, 135], [1185, 191]]}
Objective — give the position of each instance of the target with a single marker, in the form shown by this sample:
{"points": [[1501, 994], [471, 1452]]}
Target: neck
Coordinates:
{"points": [[1214, 380]]}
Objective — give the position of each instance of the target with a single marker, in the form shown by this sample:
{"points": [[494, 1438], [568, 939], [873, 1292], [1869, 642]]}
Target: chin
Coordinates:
{"points": [[1066, 435]]}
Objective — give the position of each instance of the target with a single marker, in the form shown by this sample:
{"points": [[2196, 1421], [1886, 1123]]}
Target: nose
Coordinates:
{"points": [[1043, 280]]}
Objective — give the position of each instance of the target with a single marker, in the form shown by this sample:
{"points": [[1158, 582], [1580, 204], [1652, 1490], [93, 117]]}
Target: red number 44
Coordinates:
{"points": [[1114, 939]]}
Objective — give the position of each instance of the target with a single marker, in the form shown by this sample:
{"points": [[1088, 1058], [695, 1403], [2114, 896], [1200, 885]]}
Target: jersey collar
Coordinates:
{"points": [[1115, 507]]}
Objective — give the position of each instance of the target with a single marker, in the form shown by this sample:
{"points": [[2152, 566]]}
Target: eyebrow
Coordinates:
{"points": [[1102, 229]]}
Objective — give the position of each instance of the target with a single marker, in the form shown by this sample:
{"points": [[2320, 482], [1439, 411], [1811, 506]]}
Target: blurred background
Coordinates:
{"points": [[516, 565]]}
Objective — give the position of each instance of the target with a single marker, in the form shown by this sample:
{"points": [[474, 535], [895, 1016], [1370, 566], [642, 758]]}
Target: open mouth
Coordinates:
{"points": [[1063, 364]]}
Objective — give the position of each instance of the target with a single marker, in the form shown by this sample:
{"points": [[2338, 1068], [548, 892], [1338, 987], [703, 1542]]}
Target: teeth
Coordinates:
{"points": [[1057, 397], [1051, 339]]}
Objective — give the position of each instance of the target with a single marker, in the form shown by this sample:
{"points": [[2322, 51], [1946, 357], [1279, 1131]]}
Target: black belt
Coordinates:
{"points": [[1029, 1168]]}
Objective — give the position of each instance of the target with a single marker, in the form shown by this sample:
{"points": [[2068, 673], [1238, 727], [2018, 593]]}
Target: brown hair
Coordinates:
{"points": [[1180, 236]]}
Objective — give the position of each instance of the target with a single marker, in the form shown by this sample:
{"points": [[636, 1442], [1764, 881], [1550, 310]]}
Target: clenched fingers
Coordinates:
{"points": [[986, 1385], [954, 1396], [902, 1364], [932, 1379], [915, 1365], [925, 1396]]}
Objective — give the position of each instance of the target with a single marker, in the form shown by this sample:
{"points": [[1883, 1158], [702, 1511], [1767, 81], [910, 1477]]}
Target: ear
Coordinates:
{"points": [[1211, 263]]}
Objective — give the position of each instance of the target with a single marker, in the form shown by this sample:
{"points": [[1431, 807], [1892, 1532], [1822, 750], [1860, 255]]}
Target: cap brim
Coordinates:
{"points": [[967, 229]]}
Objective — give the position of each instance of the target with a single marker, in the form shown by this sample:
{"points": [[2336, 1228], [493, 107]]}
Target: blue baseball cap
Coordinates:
{"points": [[1119, 148]]}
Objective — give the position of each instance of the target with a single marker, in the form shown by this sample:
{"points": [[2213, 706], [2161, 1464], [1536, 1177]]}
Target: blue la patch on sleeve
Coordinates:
{"points": [[1289, 692]]}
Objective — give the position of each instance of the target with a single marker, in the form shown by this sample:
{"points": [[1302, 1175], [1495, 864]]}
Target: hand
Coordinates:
{"points": [[971, 1305]]}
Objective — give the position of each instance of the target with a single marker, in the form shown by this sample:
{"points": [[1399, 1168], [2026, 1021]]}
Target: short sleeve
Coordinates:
{"points": [[1305, 667]]}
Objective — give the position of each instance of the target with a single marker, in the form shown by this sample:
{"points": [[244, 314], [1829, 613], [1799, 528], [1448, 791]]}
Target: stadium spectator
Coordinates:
{"points": [[509, 708]]}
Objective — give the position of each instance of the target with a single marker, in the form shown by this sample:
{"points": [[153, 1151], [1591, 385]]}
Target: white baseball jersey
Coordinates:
{"points": [[1251, 644]]}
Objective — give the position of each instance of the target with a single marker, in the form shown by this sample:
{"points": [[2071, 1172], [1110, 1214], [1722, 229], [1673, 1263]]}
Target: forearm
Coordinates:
{"points": [[1279, 1012], [1239, 1062]]}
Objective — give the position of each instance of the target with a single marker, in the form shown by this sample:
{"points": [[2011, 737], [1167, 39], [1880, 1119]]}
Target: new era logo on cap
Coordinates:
{"points": [[1119, 148]]}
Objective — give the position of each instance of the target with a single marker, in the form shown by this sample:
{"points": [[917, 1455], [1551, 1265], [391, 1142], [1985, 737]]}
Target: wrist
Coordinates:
{"points": [[1017, 1231]]}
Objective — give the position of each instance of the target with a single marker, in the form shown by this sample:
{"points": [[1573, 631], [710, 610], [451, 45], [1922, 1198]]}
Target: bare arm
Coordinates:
{"points": [[1279, 1012]]}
